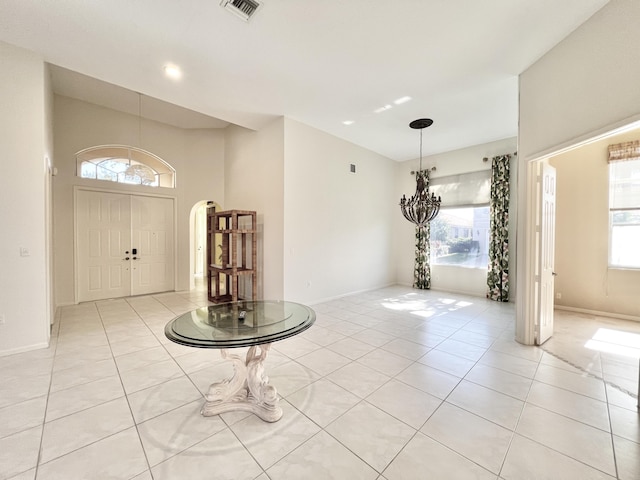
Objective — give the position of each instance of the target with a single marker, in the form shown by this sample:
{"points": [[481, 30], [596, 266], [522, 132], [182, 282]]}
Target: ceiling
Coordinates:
{"points": [[320, 62]]}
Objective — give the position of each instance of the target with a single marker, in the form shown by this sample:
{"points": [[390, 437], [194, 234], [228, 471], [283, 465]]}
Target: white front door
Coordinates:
{"points": [[546, 252], [103, 239], [110, 227], [151, 245]]}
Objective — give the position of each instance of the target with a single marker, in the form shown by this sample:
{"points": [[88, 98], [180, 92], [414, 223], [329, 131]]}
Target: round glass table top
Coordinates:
{"points": [[239, 324]]}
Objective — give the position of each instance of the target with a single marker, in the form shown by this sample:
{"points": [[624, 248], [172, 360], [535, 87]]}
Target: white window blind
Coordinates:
{"points": [[624, 175], [624, 204], [463, 190]]}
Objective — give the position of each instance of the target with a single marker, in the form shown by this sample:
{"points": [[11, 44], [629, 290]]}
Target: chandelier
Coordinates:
{"points": [[421, 208]]}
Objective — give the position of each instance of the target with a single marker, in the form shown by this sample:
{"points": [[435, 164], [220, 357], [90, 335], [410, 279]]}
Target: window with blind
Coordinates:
{"points": [[460, 233], [624, 205]]}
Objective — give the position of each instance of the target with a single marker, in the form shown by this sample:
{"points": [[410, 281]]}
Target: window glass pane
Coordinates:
{"points": [[123, 164], [88, 170], [624, 184], [460, 236], [625, 238]]}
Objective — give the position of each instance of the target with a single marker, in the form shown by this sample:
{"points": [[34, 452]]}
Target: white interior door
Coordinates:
{"points": [[103, 237], [151, 245], [109, 226], [546, 252]]}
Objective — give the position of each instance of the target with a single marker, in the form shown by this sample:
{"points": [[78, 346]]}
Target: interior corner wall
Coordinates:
{"points": [[588, 82], [470, 281], [196, 154], [338, 238], [24, 135], [584, 280], [585, 85], [254, 170]]}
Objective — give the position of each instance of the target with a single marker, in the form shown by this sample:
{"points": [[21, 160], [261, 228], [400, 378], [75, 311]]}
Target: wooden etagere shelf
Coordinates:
{"points": [[231, 254]]}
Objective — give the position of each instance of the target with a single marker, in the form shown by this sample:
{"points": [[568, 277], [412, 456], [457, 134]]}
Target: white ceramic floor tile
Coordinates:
{"points": [[500, 380], [351, 348], [22, 416], [371, 334], [156, 400], [205, 461], [372, 434], [79, 429], [406, 348], [19, 452], [573, 405], [486, 403], [175, 431], [141, 358], [295, 347], [21, 389], [425, 458], [462, 349], [435, 382], [628, 458], [473, 437], [321, 458], [86, 373], [408, 404], [358, 379], [528, 460], [625, 423], [574, 439], [268, 443], [578, 383], [116, 457], [447, 362], [150, 375], [385, 362], [509, 363], [290, 377], [323, 401], [323, 361], [80, 397]]}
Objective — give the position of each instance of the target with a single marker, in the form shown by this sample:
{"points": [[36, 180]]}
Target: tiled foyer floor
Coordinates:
{"points": [[391, 384]]}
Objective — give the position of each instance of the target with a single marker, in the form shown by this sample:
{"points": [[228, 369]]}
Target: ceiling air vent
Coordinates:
{"points": [[243, 8]]}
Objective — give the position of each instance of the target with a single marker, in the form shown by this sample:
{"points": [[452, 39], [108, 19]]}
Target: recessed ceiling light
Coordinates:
{"points": [[382, 109], [172, 71], [401, 100], [348, 122]]}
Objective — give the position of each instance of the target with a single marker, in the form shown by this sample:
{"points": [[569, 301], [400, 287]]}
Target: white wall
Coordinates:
{"points": [[24, 136], [254, 172], [472, 281], [582, 234], [337, 236], [197, 156], [586, 85]]}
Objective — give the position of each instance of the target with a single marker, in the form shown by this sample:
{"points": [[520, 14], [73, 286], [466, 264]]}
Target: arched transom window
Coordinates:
{"points": [[122, 164]]}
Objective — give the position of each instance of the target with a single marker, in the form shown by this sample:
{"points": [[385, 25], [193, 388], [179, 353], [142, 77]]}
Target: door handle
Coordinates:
{"points": [[135, 258], [126, 258]]}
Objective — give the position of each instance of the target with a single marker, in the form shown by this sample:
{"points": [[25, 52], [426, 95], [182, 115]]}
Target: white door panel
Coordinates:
{"points": [[546, 252], [109, 227], [103, 222], [152, 237]]}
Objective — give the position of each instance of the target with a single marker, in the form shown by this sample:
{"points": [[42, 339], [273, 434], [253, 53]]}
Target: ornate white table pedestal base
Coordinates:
{"points": [[247, 390]]}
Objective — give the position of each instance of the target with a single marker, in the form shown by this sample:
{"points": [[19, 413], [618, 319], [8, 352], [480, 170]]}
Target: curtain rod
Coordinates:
{"points": [[486, 159]]}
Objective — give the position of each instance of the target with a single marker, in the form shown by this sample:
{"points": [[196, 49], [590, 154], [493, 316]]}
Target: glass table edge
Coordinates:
{"points": [[222, 344]]}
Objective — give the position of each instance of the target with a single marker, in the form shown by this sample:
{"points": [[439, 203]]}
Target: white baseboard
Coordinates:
{"points": [[13, 351], [598, 313]]}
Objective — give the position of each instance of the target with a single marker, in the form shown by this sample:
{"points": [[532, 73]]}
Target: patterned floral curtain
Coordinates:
{"points": [[498, 275], [422, 269]]}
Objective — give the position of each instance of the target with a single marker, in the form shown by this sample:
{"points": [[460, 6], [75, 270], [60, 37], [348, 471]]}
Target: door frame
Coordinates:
{"points": [[526, 221], [77, 188]]}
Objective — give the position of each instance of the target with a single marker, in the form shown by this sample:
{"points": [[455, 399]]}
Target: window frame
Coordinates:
{"points": [[164, 173]]}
